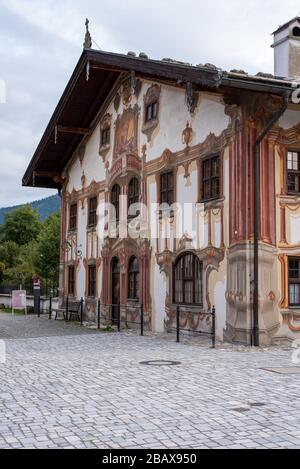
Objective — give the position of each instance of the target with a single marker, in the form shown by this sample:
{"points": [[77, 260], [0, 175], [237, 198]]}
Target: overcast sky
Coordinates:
{"points": [[41, 41]]}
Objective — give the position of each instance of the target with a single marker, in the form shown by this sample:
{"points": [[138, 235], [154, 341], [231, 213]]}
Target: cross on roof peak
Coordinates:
{"points": [[88, 39]]}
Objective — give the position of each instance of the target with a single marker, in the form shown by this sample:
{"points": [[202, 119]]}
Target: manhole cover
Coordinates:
{"points": [[160, 363], [284, 371]]}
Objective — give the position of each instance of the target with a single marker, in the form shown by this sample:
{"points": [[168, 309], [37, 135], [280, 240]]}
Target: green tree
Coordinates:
{"points": [[20, 274], [21, 226], [9, 253], [48, 248], [2, 269], [1, 234]]}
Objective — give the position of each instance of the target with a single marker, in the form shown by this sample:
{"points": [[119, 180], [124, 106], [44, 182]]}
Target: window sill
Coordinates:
{"points": [[213, 203], [292, 194], [213, 199], [289, 197], [90, 228], [149, 127], [150, 122], [166, 213], [186, 306], [104, 149]]}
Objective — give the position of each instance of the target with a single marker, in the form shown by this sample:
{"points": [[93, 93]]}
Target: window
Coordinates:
{"points": [[151, 111], [133, 195], [293, 172], [296, 31], [105, 136], [93, 211], [211, 178], [294, 281], [92, 280], [133, 279], [167, 188], [73, 217], [187, 284], [71, 280], [115, 201]]}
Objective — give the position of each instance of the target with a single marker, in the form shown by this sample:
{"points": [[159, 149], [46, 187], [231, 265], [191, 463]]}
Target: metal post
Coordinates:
{"points": [[81, 311], [50, 307], [39, 307], [214, 327], [37, 296], [119, 318], [256, 230], [99, 314], [67, 308], [178, 324], [142, 320]]}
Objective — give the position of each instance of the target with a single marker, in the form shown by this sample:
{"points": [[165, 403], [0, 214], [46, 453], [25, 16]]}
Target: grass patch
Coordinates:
{"points": [[108, 329], [9, 311]]}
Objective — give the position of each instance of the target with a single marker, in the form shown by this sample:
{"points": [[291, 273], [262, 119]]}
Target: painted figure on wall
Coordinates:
{"points": [[126, 132]]}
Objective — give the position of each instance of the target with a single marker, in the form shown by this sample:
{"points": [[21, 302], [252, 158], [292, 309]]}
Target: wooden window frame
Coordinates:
{"points": [[293, 281], [293, 172], [92, 281], [153, 108], [135, 197], [72, 217], [115, 201], [185, 279], [105, 136], [92, 215], [203, 180], [71, 280], [167, 190], [133, 280]]}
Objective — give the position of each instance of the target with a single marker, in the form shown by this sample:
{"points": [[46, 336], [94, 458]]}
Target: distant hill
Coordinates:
{"points": [[45, 207]]}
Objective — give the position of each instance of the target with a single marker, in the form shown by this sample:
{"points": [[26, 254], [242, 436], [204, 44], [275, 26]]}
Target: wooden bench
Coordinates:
{"points": [[72, 311]]}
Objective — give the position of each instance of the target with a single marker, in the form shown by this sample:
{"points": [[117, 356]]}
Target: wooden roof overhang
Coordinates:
{"points": [[91, 82]]}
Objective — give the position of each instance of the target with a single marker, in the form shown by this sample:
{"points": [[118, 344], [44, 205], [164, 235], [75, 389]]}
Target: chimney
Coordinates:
{"points": [[287, 50]]}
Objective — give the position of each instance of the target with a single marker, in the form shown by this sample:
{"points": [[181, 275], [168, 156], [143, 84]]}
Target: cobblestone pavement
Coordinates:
{"points": [[21, 327], [89, 390]]}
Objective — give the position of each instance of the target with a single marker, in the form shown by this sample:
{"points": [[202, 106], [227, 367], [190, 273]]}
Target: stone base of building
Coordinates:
{"points": [[245, 335], [289, 331], [239, 320]]}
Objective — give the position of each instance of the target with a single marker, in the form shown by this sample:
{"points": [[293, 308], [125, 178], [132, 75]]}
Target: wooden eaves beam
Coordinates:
{"points": [[64, 129], [50, 174], [72, 130], [55, 176]]}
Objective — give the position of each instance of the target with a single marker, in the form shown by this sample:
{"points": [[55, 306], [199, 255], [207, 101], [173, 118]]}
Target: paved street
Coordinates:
{"points": [[66, 387]]}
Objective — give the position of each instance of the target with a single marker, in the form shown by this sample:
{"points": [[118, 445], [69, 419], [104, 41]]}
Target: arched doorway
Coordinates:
{"points": [[115, 289]]}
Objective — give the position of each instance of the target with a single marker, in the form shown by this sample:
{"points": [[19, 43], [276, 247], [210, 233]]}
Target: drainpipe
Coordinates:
{"points": [[260, 138]]}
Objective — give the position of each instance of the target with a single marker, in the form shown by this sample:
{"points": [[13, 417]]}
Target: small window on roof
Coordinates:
{"points": [[296, 31]]}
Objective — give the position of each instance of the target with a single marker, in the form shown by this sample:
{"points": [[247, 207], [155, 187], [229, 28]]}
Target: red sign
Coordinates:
{"points": [[18, 299], [36, 282]]}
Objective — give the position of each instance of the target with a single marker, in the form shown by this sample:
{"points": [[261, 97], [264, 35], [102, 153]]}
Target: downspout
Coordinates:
{"points": [[256, 227]]}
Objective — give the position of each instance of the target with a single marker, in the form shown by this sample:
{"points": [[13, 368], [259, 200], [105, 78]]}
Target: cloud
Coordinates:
{"points": [[40, 43]]}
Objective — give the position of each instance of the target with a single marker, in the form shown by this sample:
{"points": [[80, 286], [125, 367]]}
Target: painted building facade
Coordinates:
{"points": [[155, 164]]}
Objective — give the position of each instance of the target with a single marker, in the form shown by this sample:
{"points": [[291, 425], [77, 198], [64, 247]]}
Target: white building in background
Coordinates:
{"points": [[130, 134]]}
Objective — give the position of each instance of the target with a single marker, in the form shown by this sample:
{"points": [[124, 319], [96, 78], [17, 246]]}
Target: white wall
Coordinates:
{"points": [[208, 118], [158, 293], [220, 304], [289, 119], [295, 229]]}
